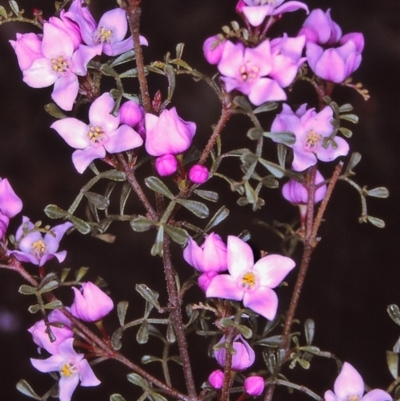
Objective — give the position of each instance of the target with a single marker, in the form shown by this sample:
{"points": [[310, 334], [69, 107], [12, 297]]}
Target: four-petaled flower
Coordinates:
{"points": [[248, 282], [38, 249], [72, 367], [349, 386], [102, 134]]}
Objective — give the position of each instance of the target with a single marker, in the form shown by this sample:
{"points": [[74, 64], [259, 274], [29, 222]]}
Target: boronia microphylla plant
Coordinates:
{"points": [[140, 145]]}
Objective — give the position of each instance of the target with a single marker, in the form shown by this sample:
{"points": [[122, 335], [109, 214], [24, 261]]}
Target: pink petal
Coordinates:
{"points": [[348, 383], [51, 364], [240, 257], [232, 59], [263, 301], [265, 90], [224, 286], [331, 153], [115, 20], [87, 376], [82, 56], [376, 395], [82, 158], [272, 269], [40, 74], [289, 7], [330, 396], [99, 113], [124, 138], [67, 386], [53, 241], [65, 91], [73, 131], [56, 42], [10, 203], [256, 14]]}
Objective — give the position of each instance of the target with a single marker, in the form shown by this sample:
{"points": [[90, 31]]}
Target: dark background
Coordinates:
{"points": [[355, 271]]}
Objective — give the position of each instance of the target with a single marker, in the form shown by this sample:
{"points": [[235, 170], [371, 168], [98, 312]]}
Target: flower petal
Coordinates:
{"points": [[82, 158], [123, 138], [263, 300], [73, 131], [240, 257], [348, 383], [272, 269], [99, 113], [67, 386], [224, 286], [65, 91], [377, 395], [87, 376]]}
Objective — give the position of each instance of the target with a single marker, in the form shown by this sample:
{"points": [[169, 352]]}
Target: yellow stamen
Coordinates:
{"points": [[312, 141], [95, 133], [68, 369], [59, 64], [39, 247], [103, 35], [248, 280]]}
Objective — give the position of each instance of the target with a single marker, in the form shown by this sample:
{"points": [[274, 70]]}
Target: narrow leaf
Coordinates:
{"points": [[379, 192], [158, 186], [124, 58], [125, 191], [3, 12], [116, 397], [255, 133], [354, 160], [179, 50], [53, 305], [376, 221], [177, 234], [170, 334], [113, 175], [345, 108], [14, 7], [285, 137], [81, 273], [24, 388], [394, 312], [282, 152], [242, 103], [50, 286], [54, 111], [309, 330], [54, 212], [273, 168], [207, 195], [157, 248], [121, 311], [268, 106], [131, 73], [393, 363], [218, 217], [116, 339], [346, 132], [156, 397], [141, 224], [34, 308], [349, 117], [142, 335], [149, 295], [138, 380], [80, 225], [197, 208], [26, 290], [245, 331], [98, 201]]}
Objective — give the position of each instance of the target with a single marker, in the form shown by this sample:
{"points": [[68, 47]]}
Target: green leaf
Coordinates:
{"points": [[303, 363], [156, 397], [142, 336], [242, 103], [218, 217], [14, 7], [226, 322], [268, 106], [274, 341], [170, 74], [81, 273], [197, 208], [131, 73], [116, 397], [64, 273], [311, 349], [354, 160], [80, 225], [170, 334], [379, 192], [50, 286], [141, 224], [145, 359], [393, 363], [98, 201], [269, 181], [349, 117], [116, 338], [207, 195], [309, 330], [345, 108], [53, 305], [273, 168], [3, 12], [26, 290], [285, 137], [121, 311], [282, 152], [138, 380], [376, 221], [113, 175], [249, 158], [24, 388], [255, 133], [158, 186], [346, 132], [54, 111], [245, 331], [179, 50], [55, 212], [124, 58], [177, 234], [157, 248], [34, 308], [148, 294], [394, 312], [125, 191]]}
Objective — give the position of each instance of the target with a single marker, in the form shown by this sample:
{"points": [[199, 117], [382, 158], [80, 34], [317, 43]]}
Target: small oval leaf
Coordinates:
{"points": [[197, 208], [379, 192], [55, 212], [98, 201], [158, 186], [24, 387], [121, 311]]}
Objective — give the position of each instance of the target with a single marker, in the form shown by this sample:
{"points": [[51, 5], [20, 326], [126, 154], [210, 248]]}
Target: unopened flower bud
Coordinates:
{"points": [[166, 165], [205, 279], [254, 385], [27, 47], [131, 113], [216, 379], [198, 174], [92, 304], [213, 48], [243, 357]]}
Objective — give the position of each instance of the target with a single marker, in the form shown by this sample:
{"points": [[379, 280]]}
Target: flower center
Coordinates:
{"points": [[248, 281], [103, 35], [39, 248], [68, 369], [312, 142], [249, 72], [59, 65], [96, 134], [353, 397]]}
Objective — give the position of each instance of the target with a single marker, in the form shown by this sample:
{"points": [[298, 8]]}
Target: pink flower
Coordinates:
{"points": [[27, 47], [37, 249], [243, 357], [103, 134], [59, 64], [132, 114], [251, 282], [10, 205], [310, 129], [319, 28], [109, 33], [297, 193], [198, 174], [349, 385], [254, 385], [168, 133], [255, 11], [209, 257], [246, 70], [213, 48], [166, 164], [72, 367], [41, 337], [92, 304], [216, 379]]}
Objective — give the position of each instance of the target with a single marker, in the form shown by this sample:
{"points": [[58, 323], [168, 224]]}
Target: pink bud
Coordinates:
{"points": [[10, 203], [131, 113], [254, 385], [216, 379], [242, 359], [166, 165], [92, 304], [168, 133], [198, 174], [213, 48], [205, 279], [28, 47]]}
